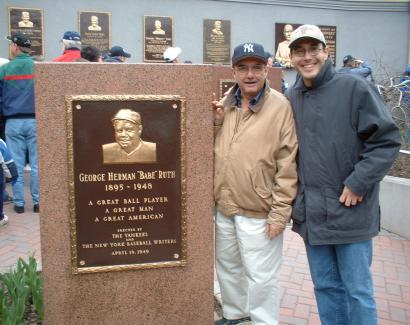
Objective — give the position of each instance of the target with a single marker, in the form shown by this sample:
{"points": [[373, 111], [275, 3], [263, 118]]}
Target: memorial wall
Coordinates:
{"points": [[191, 26]]}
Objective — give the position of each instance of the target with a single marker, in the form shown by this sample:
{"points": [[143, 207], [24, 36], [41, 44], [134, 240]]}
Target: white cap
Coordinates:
{"points": [[3, 61], [171, 53], [307, 31]]}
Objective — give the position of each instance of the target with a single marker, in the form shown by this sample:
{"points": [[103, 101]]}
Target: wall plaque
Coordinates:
{"points": [[30, 22], [158, 36], [127, 182], [225, 85], [282, 36], [217, 41], [95, 29]]}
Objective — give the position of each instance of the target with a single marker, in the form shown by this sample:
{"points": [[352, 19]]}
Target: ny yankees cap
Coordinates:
{"points": [[306, 31], [248, 50]]}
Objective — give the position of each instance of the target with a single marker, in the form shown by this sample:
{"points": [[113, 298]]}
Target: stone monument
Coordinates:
{"points": [[127, 241]]}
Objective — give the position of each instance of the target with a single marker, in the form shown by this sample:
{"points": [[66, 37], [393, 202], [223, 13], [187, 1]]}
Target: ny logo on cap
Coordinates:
{"points": [[248, 47]]}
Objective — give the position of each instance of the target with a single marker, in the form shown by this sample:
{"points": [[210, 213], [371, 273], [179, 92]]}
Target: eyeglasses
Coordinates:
{"points": [[313, 51], [243, 69]]}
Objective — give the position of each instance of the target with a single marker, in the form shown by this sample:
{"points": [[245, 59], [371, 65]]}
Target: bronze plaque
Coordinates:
{"points": [[217, 41], [282, 35], [30, 22], [158, 36], [95, 29], [330, 35], [127, 182], [225, 85]]}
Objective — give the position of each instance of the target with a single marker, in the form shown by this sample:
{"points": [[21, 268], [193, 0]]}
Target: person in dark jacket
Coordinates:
{"points": [[355, 66], [347, 143], [91, 54], [117, 54], [17, 108]]}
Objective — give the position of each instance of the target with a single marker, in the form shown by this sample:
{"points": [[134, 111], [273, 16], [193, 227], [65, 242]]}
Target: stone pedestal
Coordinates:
{"points": [[172, 295]]}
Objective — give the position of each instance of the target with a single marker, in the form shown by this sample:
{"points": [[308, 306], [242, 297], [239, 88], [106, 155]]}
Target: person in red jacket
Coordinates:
{"points": [[71, 47]]}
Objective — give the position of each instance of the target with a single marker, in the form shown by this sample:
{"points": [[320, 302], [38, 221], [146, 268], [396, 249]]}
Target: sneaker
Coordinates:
{"points": [[18, 209], [241, 321], [4, 221], [36, 208]]}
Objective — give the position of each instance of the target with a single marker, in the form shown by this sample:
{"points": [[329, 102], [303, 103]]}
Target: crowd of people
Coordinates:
{"points": [[302, 156]]}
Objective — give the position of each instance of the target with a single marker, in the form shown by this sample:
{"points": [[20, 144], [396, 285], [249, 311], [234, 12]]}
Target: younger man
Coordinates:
{"points": [[347, 143]]}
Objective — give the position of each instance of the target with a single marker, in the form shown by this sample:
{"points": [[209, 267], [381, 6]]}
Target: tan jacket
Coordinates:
{"points": [[255, 152]]}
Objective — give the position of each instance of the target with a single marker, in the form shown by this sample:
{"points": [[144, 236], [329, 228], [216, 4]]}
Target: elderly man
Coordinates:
{"points": [[347, 142], [17, 107], [254, 186], [71, 47], [129, 148]]}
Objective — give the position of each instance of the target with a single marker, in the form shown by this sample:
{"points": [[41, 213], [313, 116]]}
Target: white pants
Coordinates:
{"points": [[248, 269]]}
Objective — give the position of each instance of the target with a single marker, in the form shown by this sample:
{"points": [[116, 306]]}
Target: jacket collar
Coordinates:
{"points": [[22, 56], [259, 99], [325, 74]]}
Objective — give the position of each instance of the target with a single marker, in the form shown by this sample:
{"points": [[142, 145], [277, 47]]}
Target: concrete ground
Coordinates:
{"points": [[391, 269]]}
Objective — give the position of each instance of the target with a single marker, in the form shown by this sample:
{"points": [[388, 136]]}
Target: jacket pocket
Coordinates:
{"points": [[299, 209], [262, 182], [340, 217]]}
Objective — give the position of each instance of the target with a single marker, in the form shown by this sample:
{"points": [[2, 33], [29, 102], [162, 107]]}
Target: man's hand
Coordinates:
{"points": [[350, 198], [218, 108], [273, 230]]}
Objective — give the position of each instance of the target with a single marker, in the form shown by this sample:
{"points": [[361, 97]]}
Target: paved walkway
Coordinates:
{"points": [[391, 270]]}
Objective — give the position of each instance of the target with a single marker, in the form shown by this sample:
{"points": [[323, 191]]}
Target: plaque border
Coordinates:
{"points": [[43, 55], [144, 60], [79, 12], [69, 99], [221, 81], [332, 55], [227, 63]]}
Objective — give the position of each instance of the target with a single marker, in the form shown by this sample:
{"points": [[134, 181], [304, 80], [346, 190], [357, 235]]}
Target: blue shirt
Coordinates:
{"points": [[252, 102]]}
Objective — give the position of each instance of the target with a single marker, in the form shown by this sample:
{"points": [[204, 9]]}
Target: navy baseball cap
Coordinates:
{"points": [[119, 51], [248, 50], [20, 39], [348, 58], [72, 36]]}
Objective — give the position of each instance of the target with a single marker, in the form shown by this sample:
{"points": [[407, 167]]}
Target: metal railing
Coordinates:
{"points": [[396, 95]]}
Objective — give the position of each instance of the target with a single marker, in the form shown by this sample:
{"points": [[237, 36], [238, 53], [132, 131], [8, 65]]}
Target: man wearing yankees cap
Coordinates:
{"points": [[254, 186]]}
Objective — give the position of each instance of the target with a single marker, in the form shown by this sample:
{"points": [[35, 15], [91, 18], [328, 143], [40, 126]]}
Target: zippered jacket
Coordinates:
{"points": [[69, 55], [346, 138], [17, 88], [255, 159]]}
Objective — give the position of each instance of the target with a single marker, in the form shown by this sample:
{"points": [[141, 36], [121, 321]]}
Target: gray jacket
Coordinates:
{"points": [[346, 138]]}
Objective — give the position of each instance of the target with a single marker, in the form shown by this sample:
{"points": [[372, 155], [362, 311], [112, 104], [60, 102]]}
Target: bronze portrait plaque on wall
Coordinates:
{"points": [[30, 22], [217, 41], [282, 36], [95, 29], [158, 36], [225, 85], [127, 182]]}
